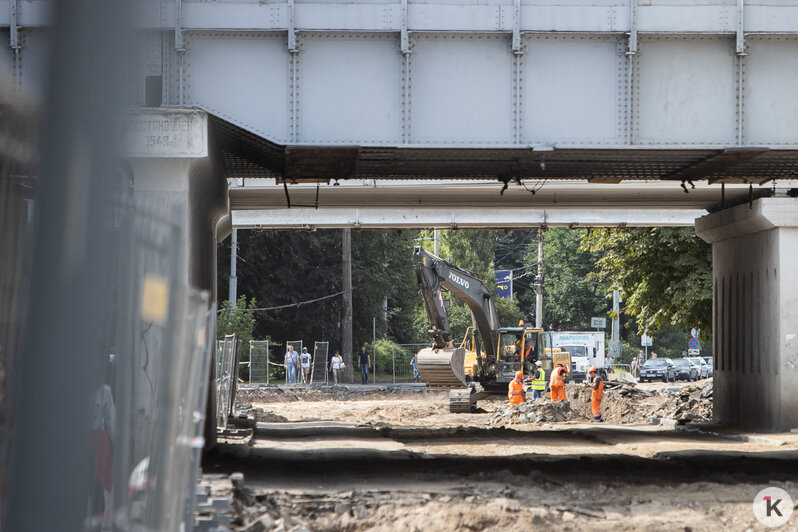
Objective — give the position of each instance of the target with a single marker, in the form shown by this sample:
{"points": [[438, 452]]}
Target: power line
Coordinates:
{"points": [[266, 309]]}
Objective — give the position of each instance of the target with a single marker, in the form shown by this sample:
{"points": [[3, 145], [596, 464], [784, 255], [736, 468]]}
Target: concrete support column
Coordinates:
{"points": [[175, 180], [755, 312]]}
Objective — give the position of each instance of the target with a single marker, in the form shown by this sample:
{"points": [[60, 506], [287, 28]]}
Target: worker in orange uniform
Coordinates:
{"points": [[596, 393], [557, 383], [515, 391]]}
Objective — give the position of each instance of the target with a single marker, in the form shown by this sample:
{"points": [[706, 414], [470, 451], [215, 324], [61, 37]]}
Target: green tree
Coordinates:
{"points": [[240, 321], [570, 299], [512, 252], [296, 271], [386, 288], [665, 274], [472, 251]]}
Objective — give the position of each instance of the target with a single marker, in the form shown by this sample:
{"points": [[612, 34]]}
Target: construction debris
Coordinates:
{"points": [[622, 403], [538, 411]]}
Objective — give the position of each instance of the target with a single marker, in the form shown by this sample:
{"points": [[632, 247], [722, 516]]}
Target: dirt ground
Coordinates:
{"points": [[366, 459], [421, 406]]}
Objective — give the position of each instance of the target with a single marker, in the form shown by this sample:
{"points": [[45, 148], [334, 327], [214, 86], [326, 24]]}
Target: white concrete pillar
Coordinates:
{"points": [[175, 182], [755, 312]]}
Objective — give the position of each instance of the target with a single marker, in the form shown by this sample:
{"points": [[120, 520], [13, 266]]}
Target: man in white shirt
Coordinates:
{"points": [[304, 359]]}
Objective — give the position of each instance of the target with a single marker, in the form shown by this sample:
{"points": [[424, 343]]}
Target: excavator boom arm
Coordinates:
{"points": [[433, 272]]}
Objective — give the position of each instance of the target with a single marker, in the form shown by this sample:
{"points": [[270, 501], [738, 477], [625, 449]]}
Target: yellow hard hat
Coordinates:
{"points": [[519, 374]]}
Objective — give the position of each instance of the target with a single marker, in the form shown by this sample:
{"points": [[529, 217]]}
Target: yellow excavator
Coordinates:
{"points": [[489, 355]]}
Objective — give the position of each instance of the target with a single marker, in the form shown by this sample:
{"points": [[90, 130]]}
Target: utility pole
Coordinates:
{"points": [[436, 251], [346, 311], [539, 283], [615, 339], [233, 285]]}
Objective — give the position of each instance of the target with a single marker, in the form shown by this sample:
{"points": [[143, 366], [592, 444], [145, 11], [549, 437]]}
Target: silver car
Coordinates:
{"points": [[703, 367]]}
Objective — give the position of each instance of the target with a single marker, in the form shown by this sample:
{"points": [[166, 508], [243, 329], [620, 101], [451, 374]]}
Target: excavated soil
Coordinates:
{"points": [[623, 403], [365, 459]]}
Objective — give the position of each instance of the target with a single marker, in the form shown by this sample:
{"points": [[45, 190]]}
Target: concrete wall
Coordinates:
{"points": [[755, 314]]}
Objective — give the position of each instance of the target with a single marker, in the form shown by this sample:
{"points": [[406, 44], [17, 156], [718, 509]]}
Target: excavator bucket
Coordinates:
{"points": [[442, 368]]}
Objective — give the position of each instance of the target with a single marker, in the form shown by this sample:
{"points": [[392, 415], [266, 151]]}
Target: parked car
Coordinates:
{"points": [[710, 364], [701, 364], [658, 369], [685, 369]]}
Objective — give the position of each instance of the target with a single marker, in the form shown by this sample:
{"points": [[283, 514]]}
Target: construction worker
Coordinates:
{"points": [[596, 393], [515, 391], [538, 381], [557, 383]]}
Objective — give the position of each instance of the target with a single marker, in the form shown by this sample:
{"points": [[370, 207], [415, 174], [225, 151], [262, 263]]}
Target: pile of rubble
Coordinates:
{"points": [[622, 403], [537, 411]]}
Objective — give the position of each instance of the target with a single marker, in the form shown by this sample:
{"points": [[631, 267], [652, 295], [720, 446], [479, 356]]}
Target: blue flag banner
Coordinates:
{"points": [[504, 283]]}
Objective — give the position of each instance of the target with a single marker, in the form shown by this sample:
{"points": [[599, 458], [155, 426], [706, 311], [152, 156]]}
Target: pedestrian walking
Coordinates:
{"points": [[365, 362], [634, 367], [291, 364], [304, 361], [337, 366], [416, 376]]}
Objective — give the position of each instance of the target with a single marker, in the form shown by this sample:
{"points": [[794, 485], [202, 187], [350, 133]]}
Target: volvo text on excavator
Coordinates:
{"points": [[488, 357]]}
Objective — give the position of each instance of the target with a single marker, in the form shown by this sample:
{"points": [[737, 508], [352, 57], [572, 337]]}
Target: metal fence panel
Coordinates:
{"points": [[258, 361], [321, 352], [226, 380]]}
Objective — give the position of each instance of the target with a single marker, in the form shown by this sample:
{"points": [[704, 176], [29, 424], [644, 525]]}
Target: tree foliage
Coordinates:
{"points": [[570, 299], [665, 274], [239, 322], [294, 268]]}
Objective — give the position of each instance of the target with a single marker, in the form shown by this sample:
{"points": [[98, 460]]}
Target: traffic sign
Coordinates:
{"points": [[695, 332], [646, 341], [598, 323], [693, 343], [693, 351]]}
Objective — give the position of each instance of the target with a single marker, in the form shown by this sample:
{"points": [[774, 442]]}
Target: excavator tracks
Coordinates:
{"points": [[461, 401]]}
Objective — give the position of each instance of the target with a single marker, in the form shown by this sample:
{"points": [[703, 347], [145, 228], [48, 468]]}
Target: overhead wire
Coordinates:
{"points": [[289, 305]]}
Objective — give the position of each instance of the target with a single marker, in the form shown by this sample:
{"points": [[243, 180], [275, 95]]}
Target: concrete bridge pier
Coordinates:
{"points": [[755, 312], [177, 184]]}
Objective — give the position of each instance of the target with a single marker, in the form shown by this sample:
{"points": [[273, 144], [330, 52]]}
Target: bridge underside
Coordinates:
{"points": [[246, 155]]}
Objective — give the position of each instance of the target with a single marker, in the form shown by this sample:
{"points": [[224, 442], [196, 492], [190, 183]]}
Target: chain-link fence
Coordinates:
{"points": [[396, 362]]}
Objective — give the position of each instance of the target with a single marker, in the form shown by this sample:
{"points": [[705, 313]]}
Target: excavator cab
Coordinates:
{"points": [[518, 348]]}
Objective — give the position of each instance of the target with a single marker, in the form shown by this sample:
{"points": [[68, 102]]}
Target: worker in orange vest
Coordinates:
{"points": [[515, 391], [596, 393], [557, 383]]}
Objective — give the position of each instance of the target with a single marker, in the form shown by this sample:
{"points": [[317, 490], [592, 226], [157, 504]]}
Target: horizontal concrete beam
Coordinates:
{"points": [[474, 218], [446, 195]]}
